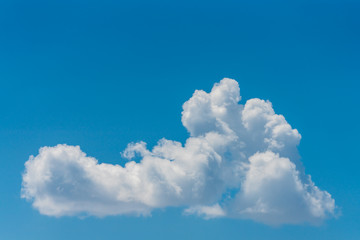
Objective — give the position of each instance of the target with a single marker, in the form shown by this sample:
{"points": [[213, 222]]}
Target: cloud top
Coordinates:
{"points": [[240, 161]]}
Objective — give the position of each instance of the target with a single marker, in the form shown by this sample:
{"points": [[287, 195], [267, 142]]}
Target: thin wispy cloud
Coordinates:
{"points": [[240, 161]]}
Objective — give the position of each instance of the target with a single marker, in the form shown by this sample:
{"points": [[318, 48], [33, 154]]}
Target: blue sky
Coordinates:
{"points": [[103, 74]]}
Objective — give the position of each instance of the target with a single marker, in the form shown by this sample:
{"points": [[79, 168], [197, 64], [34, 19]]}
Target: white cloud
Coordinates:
{"points": [[207, 212], [241, 161]]}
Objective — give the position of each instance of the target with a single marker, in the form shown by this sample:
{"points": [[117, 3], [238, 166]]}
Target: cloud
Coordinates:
{"points": [[240, 161]]}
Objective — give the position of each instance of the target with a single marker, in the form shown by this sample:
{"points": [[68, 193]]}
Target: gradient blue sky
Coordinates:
{"points": [[102, 74]]}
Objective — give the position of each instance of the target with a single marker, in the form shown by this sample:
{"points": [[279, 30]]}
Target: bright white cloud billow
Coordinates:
{"points": [[241, 161]]}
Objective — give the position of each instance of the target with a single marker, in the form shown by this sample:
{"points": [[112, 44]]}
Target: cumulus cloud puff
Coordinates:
{"points": [[240, 161]]}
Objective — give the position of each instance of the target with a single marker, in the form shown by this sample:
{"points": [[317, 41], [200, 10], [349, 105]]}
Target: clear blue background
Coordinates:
{"points": [[100, 74]]}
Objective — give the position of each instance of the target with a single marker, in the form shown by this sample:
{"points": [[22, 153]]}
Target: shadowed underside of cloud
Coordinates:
{"points": [[240, 161]]}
